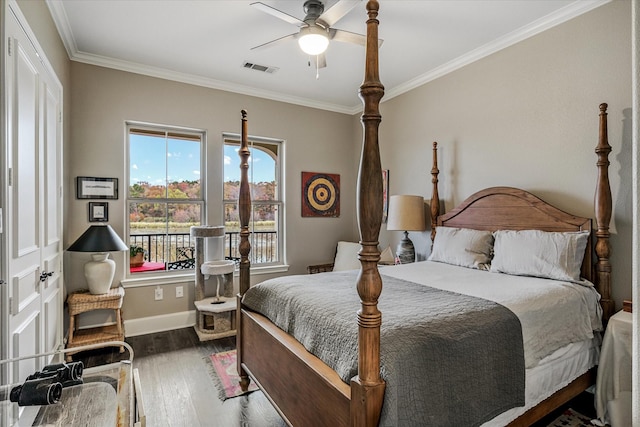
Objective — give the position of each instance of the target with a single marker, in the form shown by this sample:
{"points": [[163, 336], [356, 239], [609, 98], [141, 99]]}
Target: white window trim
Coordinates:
{"points": [[151, 279], [281, 265], [164, 276]]}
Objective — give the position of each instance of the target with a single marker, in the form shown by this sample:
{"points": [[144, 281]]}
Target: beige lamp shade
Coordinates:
{"points": [[406, 213]]}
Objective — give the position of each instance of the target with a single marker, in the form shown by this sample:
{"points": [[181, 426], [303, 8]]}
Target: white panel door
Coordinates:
{"points": [[51, 215], [32, 243]]}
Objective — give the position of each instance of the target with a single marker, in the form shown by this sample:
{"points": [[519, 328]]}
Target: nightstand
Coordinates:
{"points": [[82, 302], [613, 385]]}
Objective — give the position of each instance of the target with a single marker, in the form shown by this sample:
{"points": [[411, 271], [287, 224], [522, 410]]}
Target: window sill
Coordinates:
{"points": [[150, 279]]}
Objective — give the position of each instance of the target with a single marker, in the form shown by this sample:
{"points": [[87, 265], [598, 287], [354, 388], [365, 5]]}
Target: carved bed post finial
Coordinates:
{"points": [[435, 198], [367, 389], [603, 208], [244, 212]]}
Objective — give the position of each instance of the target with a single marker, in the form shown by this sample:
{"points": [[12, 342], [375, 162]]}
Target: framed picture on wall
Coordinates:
{"points": [[98, 211], [96, 188], [320, 195]]}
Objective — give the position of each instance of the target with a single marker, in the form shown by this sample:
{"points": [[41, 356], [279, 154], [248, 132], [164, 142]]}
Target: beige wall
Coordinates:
{"points": [[318, 141], [526, 117]]}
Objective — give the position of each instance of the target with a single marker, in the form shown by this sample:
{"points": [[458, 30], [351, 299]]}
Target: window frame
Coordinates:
{"points": [[234, 139], [165, 131]]}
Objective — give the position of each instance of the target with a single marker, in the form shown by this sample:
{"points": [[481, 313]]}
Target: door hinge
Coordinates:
{"points": [[11, 305], [9, 46], [9, 178]]}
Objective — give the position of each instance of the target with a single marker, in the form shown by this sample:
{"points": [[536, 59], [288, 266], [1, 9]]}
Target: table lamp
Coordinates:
{"points": [[100, 271], [406, 213]]}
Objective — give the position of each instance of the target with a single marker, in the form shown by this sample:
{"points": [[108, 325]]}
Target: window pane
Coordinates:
{"points": [[231, 230], [264, 236], [264, 167], [147, 228], [262, 173], [231, 165], [147, 166], [183, 168], [265, 220], [163, 231], [180, 244]]}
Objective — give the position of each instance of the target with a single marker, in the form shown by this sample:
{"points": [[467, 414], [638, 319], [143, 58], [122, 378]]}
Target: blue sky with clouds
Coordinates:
{"points": [[181, 161], [261, 165]]}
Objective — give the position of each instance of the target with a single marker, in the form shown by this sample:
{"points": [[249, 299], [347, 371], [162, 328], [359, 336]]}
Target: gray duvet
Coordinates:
{"points": [[448, 359]]}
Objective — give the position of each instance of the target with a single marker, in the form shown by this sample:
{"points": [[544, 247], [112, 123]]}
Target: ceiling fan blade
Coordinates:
{"points": [[349, 37], [277, 13], [337, 11], [276, 41]]}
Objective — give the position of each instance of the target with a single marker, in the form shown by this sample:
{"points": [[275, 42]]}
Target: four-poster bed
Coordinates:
{"points": [[309, 391]]}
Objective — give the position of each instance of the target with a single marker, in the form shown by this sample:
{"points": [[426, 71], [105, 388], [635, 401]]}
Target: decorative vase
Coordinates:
{"points": [[99, 273], [137, 260]]}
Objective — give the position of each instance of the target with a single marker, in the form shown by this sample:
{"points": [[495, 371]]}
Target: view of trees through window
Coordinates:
{"points": [[165, 196], [265, 200]]}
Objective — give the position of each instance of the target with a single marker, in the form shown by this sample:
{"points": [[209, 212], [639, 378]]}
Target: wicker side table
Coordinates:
{"points": [[82, 302]]}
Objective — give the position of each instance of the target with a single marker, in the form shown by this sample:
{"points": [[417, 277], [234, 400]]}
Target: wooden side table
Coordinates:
{"points": [[82, 302]]}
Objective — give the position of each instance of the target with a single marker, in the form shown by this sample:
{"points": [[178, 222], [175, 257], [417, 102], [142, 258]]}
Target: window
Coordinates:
{"points": [[165, 195], [267, 210]]}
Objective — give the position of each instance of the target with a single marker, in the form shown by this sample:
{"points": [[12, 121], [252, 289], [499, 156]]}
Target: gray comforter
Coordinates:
{"points": [[448, 359]]}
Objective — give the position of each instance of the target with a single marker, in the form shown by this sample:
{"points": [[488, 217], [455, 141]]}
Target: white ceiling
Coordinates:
{"points": [[206, 42]]}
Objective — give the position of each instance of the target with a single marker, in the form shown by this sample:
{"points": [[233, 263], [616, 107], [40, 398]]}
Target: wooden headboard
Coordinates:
{"points": [[507, 208]]}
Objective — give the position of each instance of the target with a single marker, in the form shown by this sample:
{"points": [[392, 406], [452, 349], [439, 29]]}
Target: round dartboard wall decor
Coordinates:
{"points": [[320, 194]]}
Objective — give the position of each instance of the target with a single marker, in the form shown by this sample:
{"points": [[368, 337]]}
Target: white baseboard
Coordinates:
{"points": [[165, 322]]}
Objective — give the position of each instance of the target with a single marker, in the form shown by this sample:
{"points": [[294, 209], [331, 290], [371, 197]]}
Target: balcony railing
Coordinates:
{"points": [[175, 247]]}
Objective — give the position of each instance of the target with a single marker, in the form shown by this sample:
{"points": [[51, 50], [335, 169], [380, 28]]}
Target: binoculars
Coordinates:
{"points": [[45, 387]]}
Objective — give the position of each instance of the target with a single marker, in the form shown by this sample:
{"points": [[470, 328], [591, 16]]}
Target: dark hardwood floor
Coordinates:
{"points": [[178, 390]]}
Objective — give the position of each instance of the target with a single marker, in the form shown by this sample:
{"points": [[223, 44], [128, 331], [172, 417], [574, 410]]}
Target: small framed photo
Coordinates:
{"points": [[96, 188], [98, 211]]}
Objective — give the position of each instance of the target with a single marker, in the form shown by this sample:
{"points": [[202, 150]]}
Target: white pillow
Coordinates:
{"points": [[550, 255], [347, 256], [462, 246]]}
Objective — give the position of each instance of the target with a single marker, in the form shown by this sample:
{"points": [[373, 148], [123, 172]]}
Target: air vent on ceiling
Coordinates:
{"points": [[258, 67]]}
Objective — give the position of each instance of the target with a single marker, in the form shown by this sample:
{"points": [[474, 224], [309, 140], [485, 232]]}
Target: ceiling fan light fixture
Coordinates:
{"points": [[313, 40]]}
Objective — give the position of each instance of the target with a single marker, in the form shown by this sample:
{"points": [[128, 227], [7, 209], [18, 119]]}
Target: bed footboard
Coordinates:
{"points": [[301, 387]]}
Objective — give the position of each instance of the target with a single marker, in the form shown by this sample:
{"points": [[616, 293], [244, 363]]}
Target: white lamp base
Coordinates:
{"points": [[99, 273]]}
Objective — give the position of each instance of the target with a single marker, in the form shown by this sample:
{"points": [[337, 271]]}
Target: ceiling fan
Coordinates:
{"points": [[315, 30]]}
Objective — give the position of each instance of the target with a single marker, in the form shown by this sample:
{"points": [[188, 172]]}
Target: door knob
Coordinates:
{"points": [[44, 275]]}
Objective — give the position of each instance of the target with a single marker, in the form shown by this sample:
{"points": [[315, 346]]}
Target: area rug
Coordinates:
{"points": [[225, 375], [571, 418]]}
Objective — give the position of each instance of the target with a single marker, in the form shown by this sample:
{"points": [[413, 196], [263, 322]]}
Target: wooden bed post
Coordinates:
{"points": [[244, 211], [367, 388], [603, 208], [435, 197]]}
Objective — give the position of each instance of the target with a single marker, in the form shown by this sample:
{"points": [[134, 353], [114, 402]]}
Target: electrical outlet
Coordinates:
{"points": [[159, 293], [179, 291]]}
